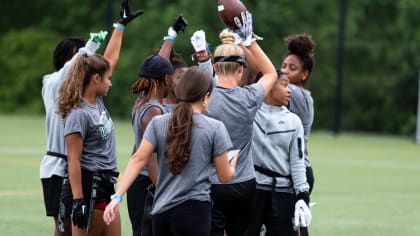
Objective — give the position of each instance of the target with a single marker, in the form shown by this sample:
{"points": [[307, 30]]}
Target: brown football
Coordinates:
{"points": [[228, 10]]}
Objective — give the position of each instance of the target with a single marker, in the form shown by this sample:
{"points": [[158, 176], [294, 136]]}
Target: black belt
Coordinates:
{"points": [[272, 174], [56, 154]]}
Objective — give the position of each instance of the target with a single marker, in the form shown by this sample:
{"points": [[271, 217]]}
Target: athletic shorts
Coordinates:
{"points": [[52, 191]]}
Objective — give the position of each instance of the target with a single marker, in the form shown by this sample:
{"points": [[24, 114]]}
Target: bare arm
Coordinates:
{"points": [[165, 50], [74, 144], [225, 171], [112, 51], [267, 68], [252, 63], [136, 163], [138, 160]]}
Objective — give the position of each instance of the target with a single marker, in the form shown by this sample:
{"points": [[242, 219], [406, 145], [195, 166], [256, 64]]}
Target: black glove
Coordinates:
{"points": [[125, 15], [80, 213], [179, 24]]}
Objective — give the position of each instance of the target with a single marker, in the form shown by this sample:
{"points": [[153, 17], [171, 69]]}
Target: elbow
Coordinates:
{"points": [[226, 177]]}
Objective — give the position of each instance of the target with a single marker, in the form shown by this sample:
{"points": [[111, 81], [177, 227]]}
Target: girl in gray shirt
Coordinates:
{"points": [[189, 146]]}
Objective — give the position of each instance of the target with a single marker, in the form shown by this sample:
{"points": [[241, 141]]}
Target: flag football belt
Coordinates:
{"points": [[272, 174], [56, 154], [97, 177]]}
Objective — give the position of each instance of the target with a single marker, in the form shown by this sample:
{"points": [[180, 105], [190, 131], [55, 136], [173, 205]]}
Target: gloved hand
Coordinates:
{"points": [[178, 25], [245, 27], [198, 41], [303, 214], [98, 37], [125, 14], [80, 213]]}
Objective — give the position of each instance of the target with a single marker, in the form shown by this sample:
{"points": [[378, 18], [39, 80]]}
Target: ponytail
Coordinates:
{"points": [[177, 149]]}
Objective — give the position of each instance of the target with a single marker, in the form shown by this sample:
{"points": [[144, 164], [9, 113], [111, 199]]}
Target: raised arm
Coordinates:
{"points": [[179, 24], [112, 51], [265, 65]]}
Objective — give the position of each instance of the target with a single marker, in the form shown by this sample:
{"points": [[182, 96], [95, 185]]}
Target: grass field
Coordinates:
{"points": [[365, 184]]}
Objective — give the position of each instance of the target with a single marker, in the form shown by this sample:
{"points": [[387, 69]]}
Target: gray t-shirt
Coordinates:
{"points": [[236, 108], [97, 130], [209, 138]]}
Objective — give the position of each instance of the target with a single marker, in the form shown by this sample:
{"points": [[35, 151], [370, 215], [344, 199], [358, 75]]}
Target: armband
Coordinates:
{"points": [[172, 38], [116, 196], [118, 26]]}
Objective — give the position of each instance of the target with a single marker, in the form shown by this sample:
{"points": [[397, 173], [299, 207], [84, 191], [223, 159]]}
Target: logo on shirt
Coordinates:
{"points": [[106, 125]]}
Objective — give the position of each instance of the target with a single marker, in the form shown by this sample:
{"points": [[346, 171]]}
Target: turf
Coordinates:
{"points": [[365, 184]]}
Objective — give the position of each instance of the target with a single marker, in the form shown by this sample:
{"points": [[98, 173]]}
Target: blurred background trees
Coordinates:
{"points": [[381, 64]]}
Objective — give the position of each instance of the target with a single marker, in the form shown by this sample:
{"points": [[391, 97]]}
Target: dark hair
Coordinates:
{"points": [[176, 60], [65, 50], [191, 88], [153, 72], [303, 47]]}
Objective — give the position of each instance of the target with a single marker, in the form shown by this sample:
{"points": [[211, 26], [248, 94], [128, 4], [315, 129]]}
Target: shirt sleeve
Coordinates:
{"points": [[256, 93], [297, 161], [208, 67], [76, 122]]}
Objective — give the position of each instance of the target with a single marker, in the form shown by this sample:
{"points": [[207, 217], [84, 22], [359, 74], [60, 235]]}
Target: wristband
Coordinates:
{"points": [[116, 196], [172, 38], [118, 26]]}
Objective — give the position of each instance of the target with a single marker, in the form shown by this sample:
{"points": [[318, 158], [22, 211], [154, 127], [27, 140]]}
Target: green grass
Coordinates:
{"points": [[365, 184]]}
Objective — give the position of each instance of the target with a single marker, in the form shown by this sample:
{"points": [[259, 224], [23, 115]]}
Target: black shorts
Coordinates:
{"points": [[105, 186], [52, 193]]}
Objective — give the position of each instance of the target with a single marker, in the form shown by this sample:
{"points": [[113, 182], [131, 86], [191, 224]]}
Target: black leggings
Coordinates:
{"points": [[138, 209], [189, 218]]}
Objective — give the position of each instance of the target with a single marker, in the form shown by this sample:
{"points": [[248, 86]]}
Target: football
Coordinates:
{"points": [[228, 10]]}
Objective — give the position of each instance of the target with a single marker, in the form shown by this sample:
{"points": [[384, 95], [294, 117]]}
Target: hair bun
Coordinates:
{"points": [[226, 37], [300, 44]]}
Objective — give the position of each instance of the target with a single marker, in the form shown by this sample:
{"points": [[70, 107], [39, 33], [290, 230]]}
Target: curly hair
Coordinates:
{"points": [[78, 78], [193, 85], [303, 47]]}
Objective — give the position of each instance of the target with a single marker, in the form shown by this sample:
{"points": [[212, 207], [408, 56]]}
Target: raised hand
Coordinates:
{"points": [[179, 24], [198, 41], [245, 27], [98, 37], [125, 14]]}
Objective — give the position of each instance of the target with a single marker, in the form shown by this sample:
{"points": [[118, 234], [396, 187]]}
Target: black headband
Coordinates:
{"points": [[239, 59]]}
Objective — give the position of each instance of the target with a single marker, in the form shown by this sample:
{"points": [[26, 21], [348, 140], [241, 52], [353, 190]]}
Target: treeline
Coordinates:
{"points": [[381, 51]]}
